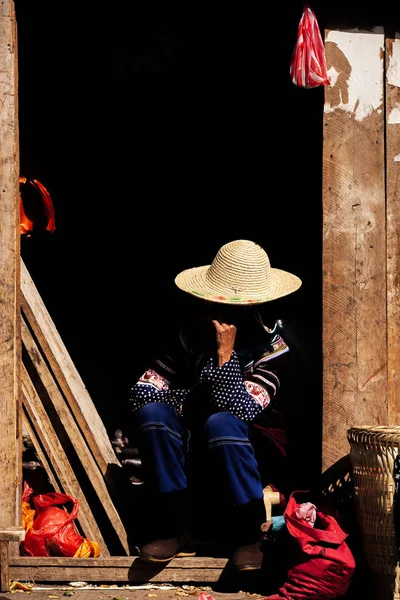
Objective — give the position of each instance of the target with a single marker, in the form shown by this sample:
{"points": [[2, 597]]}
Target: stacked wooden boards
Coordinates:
{"points": [[65, 427]]}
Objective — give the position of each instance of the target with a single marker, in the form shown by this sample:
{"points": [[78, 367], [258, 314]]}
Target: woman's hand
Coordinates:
{"points": [[225, 338]]}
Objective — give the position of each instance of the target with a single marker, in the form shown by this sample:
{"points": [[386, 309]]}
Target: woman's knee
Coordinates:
{"points": [[225, 424], [155, 411]]}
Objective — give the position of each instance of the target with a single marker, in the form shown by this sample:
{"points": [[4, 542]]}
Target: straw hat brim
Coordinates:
{"points": [[194, 281]]}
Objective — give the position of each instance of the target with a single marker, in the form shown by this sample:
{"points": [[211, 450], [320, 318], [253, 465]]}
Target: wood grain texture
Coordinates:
{"points": [[70, 435], [392, 99], [38, 445], [354, 240], [116, 569], [12, 534], [4, 572], [10, 439]]}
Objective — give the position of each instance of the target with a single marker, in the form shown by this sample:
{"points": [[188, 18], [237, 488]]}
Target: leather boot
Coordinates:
{"points": [[169, 536], [249, 554], [165, 549]]}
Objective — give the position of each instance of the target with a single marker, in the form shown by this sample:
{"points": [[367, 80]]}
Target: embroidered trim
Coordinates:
{"points": [[279, 347], [266, 381], [258, 393], [153, 379]]}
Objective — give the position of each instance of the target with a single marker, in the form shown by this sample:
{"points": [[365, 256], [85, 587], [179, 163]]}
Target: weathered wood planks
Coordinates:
{"points": [[72, 459], [354, 239], [60, 470], [116, 569], [392, 103], [10, 351]]}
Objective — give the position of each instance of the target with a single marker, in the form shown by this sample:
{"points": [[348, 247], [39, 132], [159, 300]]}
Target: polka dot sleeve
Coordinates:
{"points": [[155, 386], [158, 383], [228, 391], [141, 394]]}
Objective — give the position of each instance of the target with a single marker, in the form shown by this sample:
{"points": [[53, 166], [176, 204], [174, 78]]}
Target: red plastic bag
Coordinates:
{"points": [[308, 63], [53, 531], [33, 213], [321, 564]]}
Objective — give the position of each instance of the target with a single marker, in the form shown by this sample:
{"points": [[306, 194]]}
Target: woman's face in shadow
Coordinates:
{"points": [[224, 313]]}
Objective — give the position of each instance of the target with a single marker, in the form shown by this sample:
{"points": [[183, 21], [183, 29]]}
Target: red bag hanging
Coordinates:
{"points": [[308, 63], [321, 564], [42, 210]]}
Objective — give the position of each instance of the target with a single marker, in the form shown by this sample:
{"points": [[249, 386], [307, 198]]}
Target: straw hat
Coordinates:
{"points": [[239, 274]]}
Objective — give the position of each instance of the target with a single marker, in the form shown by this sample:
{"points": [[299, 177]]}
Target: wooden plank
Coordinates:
{"points": [[116, 569], [8, 536], [37, 444], [10, 440], [67, 376], [59, 460], [4, 570], [392, 99], [53, 449], [71, 435], [354, 239], [12, 534]]}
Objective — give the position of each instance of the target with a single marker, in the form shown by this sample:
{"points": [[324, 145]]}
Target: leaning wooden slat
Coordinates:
{"points": [[75, 437], [60, 463], [66, 374], [38, 447]]}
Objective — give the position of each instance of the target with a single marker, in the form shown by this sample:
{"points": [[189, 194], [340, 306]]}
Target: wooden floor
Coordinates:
{"points": [[131, 593], [153, 591], [115, 579]]}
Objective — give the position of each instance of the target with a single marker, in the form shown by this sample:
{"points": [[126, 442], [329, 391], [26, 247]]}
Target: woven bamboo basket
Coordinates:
{"points": [[373, 451]]}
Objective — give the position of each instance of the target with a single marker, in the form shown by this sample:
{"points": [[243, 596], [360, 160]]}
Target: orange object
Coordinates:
{"points": [[28, 514], [44, 210]]}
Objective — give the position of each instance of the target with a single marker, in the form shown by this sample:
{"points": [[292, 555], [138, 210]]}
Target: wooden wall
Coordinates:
{"points": [[10, 426], [361, 227]]}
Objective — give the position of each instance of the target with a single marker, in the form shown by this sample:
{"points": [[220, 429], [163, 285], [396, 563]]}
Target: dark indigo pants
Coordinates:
{"points": [[165, 445]]}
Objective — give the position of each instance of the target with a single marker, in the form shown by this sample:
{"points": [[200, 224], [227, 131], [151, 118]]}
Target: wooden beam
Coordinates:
{"points": [[116, 569], [392, 99], [354, 239], [10, 401], [39, 449], [71, 438], [8, 535], [51, 447]]}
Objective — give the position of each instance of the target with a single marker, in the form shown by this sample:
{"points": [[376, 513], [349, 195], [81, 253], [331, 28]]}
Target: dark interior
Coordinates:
{"points": [[162, 132]]}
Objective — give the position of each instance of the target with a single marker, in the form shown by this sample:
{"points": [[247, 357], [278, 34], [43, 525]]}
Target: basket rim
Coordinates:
{"points": [[386, 433]]}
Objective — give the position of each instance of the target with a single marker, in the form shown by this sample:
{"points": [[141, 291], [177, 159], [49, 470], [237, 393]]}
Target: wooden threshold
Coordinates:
{"points": [[115, 569]]}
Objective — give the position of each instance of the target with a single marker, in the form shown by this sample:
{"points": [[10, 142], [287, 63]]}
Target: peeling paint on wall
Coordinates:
{"points": [[394, 116], [393, 78], [362, 92], [393, 71]]}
